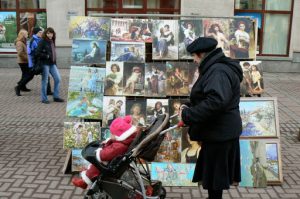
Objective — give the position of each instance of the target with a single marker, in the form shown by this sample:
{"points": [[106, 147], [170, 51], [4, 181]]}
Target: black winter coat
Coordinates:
{"points": [[213, 114], [44, 53]]}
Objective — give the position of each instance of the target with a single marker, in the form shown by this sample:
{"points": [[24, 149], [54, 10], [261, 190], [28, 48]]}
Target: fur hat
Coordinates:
{"points": [[202, 44], [122, 128]]}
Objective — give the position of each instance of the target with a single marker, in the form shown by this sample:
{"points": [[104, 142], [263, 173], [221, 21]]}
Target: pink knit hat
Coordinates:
{"points": [[122, 128]]}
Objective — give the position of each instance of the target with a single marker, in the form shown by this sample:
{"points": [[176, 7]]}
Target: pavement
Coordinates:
{"points": [[32, 154]]}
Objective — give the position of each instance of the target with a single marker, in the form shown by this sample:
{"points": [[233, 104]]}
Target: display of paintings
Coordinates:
{"points": [[253, 163], [218, 29], [78, 162], [242, 38], [137, 30], [165, 40], [189, 31], [105, 133], [252, 83], [177, 79], [190, 149], [85, 96], [134, 79], [89, 28], [170, 148], [137, 109], [79, 134], [259, 117], [174, 109], [155, 79], [29, 20], [8, 31], [173, 174], [88, 51], [114, 107], [274, 168], [127, 51], [114, 78], [156, 107], [193, 74]]}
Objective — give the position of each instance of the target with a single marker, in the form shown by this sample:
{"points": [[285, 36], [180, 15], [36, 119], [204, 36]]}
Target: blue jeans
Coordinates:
{"points": [[52, 69]]}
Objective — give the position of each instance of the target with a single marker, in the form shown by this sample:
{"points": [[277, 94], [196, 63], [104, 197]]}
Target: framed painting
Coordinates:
{"points": [[78, 162], [155, 79], [137, 109], [174, 106], [177, 79], [114, 78], [127, 51], [156, 107], [134, 79], [274, 164], [114, 107], [189, 149], [259, 117], [105, 133]]}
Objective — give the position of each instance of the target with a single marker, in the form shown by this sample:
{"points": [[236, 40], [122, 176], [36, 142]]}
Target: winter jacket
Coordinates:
{"points": [[44, 52], [31, 49], [213, 114], [21, 51]]}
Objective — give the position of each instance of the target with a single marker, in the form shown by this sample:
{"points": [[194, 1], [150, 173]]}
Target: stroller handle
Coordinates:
{"points": [[178, 125]]}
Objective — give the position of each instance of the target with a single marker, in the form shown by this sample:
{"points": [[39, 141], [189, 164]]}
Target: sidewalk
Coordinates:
{"points": [[31, 140]]}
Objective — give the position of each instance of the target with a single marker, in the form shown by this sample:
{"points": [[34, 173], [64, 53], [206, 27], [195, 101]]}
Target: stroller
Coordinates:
{"points": [[123, 177]]}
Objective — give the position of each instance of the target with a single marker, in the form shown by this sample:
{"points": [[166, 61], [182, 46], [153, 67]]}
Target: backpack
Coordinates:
{"points": [[37, 66]]}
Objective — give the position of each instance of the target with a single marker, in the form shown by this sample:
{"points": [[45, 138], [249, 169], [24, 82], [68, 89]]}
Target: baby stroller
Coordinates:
{"points": [[123, 177]]}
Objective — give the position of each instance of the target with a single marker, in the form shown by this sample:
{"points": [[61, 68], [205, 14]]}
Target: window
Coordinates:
{"points": [[274, 23], [18, 14]]}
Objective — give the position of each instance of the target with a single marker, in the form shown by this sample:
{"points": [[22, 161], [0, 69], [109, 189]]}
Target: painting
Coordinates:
{"points": [[127, 51], [89, 28], [177, 79], [253, 163], [114, 78], [193, 74], [259, 117], [165, 40], [86, 87], [190, 149], [189, 30], [173, 174], [78, 162], [155, 79], [218, 29], [274, 165], [174, 109], [88, 51], [137, 109], [79, 134], [134, 79], [131, 30], [8, 31], [115, 107], [156, 107], [252, 83]]}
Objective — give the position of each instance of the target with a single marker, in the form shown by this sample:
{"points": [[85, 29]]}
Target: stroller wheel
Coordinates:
{"points": [[162, 193]]}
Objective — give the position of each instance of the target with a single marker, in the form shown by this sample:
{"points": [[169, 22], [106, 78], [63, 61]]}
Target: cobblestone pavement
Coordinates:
{"points": [[32, 157]]}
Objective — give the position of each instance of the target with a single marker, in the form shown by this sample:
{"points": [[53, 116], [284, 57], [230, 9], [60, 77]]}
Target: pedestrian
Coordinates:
{"points": [[214, 118], [46, 52], [31, 50], [22, 60]]}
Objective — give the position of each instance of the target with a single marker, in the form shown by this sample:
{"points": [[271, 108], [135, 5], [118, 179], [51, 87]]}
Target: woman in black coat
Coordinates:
{"points": [[214, 118]]}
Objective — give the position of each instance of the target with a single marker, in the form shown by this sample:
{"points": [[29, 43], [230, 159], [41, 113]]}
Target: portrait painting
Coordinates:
{"points": [[78, 162], [114, 107], [189, 30], [156, 107], [137, 109], [114, 78], [177, 79], [127, 51], [174, 109], [88, 51], [134, 79], [165, 40], [89, 28], [155, 79], [190, 149]]}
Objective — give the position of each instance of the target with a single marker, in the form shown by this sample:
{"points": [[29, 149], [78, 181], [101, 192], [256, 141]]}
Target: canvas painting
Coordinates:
{"points": [[165, 40], [193, 74], [259, 117], [218, 29], [8, 31], [114, 78], [79, 134], [242, 38], [173, 174], [155, 79], [89, 27], [190, 149], [189, 30], [127, 51], [137, 109], [252, 83], [273, 169], [78, 162], [253, 163], [156, 107], [134, 79], [174, 109], [170, 148], [85, 96], [114, 107], [131, 30], [88, 51], [105, 133], [177, 79]]}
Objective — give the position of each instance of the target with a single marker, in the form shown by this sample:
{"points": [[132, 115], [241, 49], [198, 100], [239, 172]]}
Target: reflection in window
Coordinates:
{"points": [[248, 4], [102, 3], [276, 30], [278, 5], [29, 20], [8, 4], [132, 3], [157, 4], [32, 4]]}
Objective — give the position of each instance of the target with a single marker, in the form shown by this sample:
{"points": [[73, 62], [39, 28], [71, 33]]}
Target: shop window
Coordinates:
{"points": [[8, 4], [32, 4]]}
